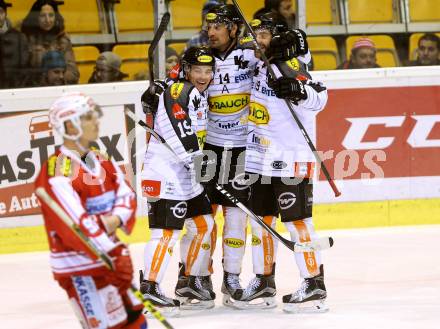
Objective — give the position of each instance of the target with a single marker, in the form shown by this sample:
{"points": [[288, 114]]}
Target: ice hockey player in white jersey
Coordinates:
{"points": [[172, 191], [280, 167]]}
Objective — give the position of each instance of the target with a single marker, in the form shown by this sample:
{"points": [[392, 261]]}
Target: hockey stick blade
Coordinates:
{"points": [[318, 244], [157, 35]]}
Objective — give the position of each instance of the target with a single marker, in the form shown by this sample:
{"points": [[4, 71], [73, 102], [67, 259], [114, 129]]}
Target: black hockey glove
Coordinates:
{"points": [[288, 88], [289, 44], [150, 97]]}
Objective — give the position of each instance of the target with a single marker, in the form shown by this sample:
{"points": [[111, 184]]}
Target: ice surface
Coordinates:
{"points": [[376, 278]]}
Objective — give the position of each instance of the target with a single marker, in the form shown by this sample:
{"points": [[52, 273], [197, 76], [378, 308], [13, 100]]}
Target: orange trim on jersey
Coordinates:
{"points": [[159, 254], [196, 243], [309, 257], [268, 247], [304, 169]]}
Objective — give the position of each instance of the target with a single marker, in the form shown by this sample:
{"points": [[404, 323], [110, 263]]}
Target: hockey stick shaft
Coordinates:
{"points": [[322, 243], [56, 208], [289, 105], [156, 38]]}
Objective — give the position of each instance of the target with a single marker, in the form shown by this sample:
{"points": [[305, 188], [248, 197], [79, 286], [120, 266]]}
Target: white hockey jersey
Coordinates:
{"points": [[181, 120], [229, 97], [275, 144]]}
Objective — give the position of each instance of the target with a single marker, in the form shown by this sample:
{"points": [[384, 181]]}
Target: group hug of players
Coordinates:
{"points": [[225, 121]]}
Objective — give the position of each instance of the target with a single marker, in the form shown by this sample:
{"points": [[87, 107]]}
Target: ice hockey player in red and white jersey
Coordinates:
{"points": [[91, 189], [173, 192], [280, 166]]}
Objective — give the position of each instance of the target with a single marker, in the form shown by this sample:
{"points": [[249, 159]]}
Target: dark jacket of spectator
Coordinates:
{"points": [[14, 57], [42, 39]]}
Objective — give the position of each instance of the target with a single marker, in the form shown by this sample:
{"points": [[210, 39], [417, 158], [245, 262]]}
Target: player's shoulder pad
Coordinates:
{"points": [[179, 92], [246, 43], [293, 68]]}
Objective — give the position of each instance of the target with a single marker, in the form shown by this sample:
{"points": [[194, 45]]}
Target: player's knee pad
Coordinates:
{"points": [[301, 230], [164, 236]]}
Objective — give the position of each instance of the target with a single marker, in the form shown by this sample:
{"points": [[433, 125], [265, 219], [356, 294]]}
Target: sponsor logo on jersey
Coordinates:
{"points": [[206, 246], [176, 90], [233, 243], [201, 138], [180, 210], [258, 114], [151, 188], [286, 200], [101, 203], [227, 104], [261, 140], [293, 64], [255, 240], [246, 40], [278, 165], [178, 112]]}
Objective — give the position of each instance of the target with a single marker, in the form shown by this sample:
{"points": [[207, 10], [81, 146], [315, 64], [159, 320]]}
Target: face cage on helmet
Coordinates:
{"points": [[76, 122]]}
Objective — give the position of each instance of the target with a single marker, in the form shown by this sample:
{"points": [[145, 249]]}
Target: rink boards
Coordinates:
{"points": [[379, 136]]}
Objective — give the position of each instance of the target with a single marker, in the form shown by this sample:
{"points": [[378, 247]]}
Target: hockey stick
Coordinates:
{"points": [[289, 105], [153, 45], [149, 117], [319, 244], [47, 199]]}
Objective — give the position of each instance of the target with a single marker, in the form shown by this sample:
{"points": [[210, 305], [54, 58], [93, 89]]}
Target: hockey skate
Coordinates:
{"points": [[309, 298], [150, 291], [197, 294], [182, 279], [231, 285], [259, 294]]}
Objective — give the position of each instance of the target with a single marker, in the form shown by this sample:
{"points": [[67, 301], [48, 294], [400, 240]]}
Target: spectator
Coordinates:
{"points": [[53, 68], [107, 68], [282, 7], [201, 38], [44, 28], [14, 52], [428, 51], [363, 55], [171, 59]]}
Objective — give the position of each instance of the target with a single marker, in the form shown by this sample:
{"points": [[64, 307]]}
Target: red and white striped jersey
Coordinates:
{"points": [[84, 189]]}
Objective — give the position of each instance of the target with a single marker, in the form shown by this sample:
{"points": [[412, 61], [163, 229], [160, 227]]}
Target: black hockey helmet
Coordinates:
{"points": [[227, 14], [271, 21], [198, 56]]}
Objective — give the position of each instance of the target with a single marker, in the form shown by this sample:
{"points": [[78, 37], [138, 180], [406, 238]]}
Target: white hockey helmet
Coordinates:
{"points": [[71, 107]]}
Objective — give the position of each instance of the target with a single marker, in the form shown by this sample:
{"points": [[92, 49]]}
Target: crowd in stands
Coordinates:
{"points": [[40, 53]]}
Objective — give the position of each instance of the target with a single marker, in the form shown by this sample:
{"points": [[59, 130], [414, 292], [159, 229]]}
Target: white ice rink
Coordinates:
{"points": [[376, 278]]}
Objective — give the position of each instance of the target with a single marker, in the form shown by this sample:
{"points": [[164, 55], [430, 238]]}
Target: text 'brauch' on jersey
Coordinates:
{"points": [[229, 98]]}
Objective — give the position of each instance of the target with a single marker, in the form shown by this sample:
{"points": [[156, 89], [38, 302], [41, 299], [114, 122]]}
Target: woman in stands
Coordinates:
{"points": [[44, 28]]}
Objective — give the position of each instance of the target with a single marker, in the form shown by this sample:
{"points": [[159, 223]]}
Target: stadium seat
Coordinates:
{"points": [[134, 15], [414, 44], [424, 11], [85, 57], [179, 47], [187, 16], [325, 53], [386, 50], [319, 12], [79, 16], [250, 7], [134, 58], [19, 10], [370, 11]]}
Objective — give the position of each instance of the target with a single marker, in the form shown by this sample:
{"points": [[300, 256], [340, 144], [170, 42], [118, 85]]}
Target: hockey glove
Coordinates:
{"points": [[122, 273], [288, 88], [150, 98], [288, 45]]}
